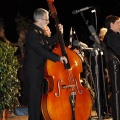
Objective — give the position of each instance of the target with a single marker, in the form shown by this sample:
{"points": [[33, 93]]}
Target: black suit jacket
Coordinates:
{"points": [[37, 51], [38, 48]]}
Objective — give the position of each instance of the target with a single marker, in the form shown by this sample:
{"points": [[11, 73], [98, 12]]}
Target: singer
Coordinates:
{"points": [[112, 40]]}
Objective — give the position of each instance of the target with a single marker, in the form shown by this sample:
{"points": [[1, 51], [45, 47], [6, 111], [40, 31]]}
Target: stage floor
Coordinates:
{"points": [[14, 117]]}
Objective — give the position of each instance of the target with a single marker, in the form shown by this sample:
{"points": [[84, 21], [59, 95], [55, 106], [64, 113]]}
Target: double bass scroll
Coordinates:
{"points": [[61, 40]]}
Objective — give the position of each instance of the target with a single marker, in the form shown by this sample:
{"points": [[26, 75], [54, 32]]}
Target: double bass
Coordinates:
{"points": [[66, 98]]}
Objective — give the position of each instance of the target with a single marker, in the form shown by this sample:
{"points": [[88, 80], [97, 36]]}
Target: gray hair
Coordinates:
{"points": [[39, 13]]}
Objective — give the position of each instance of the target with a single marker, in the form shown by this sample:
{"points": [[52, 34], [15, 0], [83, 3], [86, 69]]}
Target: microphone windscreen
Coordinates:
{"points": [[93, 32], [74, 12], [76, 43], [91, 29]]}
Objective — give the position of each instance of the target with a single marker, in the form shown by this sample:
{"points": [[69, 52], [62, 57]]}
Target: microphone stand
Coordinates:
{"points": [[105, 93], [116, 62], [86, 22], [97, 89]]}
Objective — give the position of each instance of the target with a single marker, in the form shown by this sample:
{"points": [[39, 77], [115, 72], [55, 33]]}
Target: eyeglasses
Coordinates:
{"points": [[45, 19]]}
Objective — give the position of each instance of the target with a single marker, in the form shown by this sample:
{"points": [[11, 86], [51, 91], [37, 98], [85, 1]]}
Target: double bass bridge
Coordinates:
{"points": [[71, 86]]}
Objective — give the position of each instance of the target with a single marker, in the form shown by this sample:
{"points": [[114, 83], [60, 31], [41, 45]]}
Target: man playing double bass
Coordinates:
{"points": [[37, 51]]}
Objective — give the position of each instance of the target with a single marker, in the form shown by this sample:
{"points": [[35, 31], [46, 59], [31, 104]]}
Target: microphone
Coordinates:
{"points": [[94, 35], [71, 34], [80, 10], [74, 32], [81, 44], [71, 37]]}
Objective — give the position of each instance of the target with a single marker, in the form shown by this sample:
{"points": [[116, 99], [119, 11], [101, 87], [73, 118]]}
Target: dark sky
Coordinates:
{"points": [[64, 8]]}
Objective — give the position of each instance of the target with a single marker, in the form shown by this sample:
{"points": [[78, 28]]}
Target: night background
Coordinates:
{"points": [[10, 8]]}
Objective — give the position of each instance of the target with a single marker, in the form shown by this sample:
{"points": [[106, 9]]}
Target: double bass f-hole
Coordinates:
{"points": [[58, 85]]}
